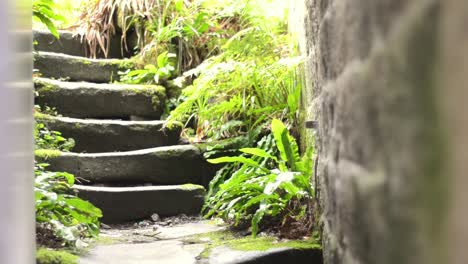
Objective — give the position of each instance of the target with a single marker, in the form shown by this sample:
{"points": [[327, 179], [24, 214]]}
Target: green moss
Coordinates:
{"points": [[46, 88], [126, 64], [229, 239], [43, 117], [267, 243], [86, 61], [173, 125], [105, 240], [47, 153], [190, 186], [48, 256], [157, 94]]}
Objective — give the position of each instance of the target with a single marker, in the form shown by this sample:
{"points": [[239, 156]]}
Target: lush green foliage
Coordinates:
{"points": [[264, 182], [69, 218], [47, 139], [58, 209], [237, 67], [45, 12], [251, 81]]}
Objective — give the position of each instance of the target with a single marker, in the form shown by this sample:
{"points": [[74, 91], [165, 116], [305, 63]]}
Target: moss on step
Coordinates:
{"points": [[85, 61], [46, 88], [229, 239], [126, 64], [106, 240], [45, 154], [49, 256], [192, 187], [157, 94], [43, 117]]}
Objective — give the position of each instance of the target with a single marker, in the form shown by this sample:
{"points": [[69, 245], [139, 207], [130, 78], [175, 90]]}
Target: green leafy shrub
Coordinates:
{"points": [[264, 182], [61, 217], [58, 209], [47, 139], [44, 11], [251, 81]]}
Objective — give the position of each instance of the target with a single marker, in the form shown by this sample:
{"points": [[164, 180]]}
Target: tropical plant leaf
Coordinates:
{"points": [[286, 144]]}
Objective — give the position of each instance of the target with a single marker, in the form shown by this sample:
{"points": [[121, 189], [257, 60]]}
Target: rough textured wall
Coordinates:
{"points": [[454, 95], [375, 75]]}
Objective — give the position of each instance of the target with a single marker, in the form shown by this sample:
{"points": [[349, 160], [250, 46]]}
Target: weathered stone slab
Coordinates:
{"points": [[162, 165], [160, 252], [81, 99], [92, 135], [71, 44], [57, 65], [124, 204], [226, 255]]}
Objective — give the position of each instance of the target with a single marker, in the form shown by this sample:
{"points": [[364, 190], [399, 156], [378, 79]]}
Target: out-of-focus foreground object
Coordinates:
{"points": [[16, 136], [386, 81], [454, 93]]}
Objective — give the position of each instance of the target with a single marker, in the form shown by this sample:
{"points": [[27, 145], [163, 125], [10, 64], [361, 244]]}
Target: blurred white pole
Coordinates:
{"points": [[17, 239]]}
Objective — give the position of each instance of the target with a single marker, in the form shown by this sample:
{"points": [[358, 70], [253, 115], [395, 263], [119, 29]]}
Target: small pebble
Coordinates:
{"points": [[155, 218]]}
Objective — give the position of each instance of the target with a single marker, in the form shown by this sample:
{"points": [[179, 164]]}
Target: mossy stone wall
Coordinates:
{"points": [[375, 82]]}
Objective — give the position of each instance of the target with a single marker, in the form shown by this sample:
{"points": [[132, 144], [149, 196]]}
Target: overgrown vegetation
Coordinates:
{"points": [[269, 181], [44, 11], [62, 218], [236, 67]]}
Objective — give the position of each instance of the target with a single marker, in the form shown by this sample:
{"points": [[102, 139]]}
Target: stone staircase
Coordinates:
{"points": [[129, 169]]}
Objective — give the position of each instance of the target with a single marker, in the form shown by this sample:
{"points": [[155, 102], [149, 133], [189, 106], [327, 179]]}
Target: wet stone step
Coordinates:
{"points": [[92, 100], [75, 68], [71, 44], [124, 204], [92, 135], [170, 165]]}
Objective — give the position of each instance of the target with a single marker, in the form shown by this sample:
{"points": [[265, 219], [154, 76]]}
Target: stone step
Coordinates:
{"points": [[92, 100], [93, 135], [71, 44], [74, 68], [169, 165], [124, 204]]}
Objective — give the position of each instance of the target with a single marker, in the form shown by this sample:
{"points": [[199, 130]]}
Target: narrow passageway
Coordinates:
{"points": [[132, 167]]}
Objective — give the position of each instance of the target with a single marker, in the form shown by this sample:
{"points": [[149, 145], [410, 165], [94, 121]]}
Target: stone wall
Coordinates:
{"points": [[377, 75]]}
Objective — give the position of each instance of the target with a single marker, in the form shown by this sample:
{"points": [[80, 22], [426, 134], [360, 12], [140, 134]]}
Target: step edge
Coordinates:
{"points": [[91, 121], [179, 187], [139, 152], [65, 56]]}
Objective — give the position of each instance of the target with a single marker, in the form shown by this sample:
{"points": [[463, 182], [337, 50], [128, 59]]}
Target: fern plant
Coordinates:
{"points": [[252, 81], [265, 183]]}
